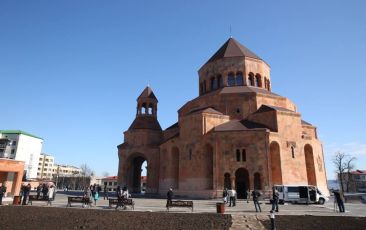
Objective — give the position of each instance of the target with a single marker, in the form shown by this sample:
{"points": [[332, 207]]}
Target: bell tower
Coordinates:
{"points": [[147, 103]]}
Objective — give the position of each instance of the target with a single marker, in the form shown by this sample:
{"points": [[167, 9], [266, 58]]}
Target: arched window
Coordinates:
{"points": [[213, 83], [150, 109], [231, 80], [258, 80], [239, 79], [265, 83], [269, 85], [144, 109], [220, 81], [251, 79]]}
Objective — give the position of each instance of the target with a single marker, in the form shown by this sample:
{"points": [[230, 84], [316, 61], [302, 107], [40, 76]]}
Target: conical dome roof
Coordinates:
{"points": [[232, 48], [147, 93]]}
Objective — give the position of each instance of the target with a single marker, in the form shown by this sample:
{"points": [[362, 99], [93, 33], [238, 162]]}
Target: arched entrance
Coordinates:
{"points": [[275, 163], [227, 181], [241, 182], [310, 167], [137, 164]]}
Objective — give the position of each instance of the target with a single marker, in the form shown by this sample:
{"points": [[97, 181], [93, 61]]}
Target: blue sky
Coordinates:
{"points": [[71, 70]]}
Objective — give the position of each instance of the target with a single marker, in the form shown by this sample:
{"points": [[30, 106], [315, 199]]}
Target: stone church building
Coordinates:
{"points": [[236, 134]]}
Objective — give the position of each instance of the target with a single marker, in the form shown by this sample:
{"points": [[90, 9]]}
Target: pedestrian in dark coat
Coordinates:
{"points": [[26, 192], [2, 192], [255, 196], [339, 200], [275, 200], [169, 196]]}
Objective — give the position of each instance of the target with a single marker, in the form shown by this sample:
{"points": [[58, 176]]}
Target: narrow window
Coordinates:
{"points": [[213, 83], [190, 154], [243, 155], [231, 80], [293, 151], [204, 86], [238, 155], [239, 79], [258, 80], [251, 79], [220, 81]]}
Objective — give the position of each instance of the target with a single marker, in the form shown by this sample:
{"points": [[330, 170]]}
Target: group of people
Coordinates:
{"points": [[229, 196], [122, 193], [92, 192], [44, 192]]}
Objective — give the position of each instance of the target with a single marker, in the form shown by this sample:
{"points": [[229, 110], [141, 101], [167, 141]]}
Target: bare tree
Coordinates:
{"points": [[344, 165], [86, 172]]}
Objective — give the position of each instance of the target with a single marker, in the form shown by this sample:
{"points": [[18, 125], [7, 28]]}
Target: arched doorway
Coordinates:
{"points": [[241, 182], [227, 181], [310, 167], [139, 165], [208, 165], [174, 171], [275, 163]]}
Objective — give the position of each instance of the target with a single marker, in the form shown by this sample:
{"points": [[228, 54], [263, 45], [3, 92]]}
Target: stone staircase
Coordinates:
{"points": [[247, 222]]}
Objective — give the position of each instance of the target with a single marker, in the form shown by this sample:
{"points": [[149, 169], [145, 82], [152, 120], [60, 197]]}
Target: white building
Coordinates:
{"points": [[22, 146], [66, 170], [45, 166]]}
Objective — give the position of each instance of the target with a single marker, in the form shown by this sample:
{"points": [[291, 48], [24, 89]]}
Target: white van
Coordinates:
{"points": [[306, 194]]}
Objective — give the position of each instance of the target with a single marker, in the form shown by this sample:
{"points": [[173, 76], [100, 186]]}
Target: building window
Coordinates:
{"points": [[231, 80], [239, 79], [251, 79], [13, 151], [220, 81], [115, 183], [110, 183], [190, 154], [243, 155], [213, 83], [204, 86], [258, 80], [238, 155], [14, 143], [105, 183], [293, 151]]}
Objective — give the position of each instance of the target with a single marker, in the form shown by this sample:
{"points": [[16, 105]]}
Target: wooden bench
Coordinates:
{"points": [[179, 204], [121, 202], [78, 199], [32, 198]]}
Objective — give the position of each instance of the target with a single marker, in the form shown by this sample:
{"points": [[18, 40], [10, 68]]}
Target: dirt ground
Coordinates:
{"points": [[28, 217]]}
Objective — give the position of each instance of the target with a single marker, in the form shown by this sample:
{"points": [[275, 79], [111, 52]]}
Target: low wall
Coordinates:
{"points": [[307, 222], [28, 217]]}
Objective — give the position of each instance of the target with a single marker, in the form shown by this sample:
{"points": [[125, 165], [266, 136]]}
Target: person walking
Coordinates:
{"points": [[255, 196], [248, 195], [169, 197], [50, 195], [39, 189], [105, 192], [26, 194], [232, 197], [339, 200], [275, 200], [224, 195], [2, 192], [86, 197]]}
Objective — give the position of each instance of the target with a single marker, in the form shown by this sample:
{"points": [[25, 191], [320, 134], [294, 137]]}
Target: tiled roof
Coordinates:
{"points": [[145, 122], [239, 125], [147, 93], [246, 89], [359, 172], [206, 110], [232, 48]]}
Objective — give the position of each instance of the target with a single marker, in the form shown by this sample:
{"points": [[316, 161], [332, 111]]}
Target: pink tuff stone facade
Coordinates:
{"points": [[236, 134]]}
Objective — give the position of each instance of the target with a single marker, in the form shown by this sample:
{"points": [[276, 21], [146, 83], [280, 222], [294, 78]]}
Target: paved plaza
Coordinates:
{"points": [[209, 206]]}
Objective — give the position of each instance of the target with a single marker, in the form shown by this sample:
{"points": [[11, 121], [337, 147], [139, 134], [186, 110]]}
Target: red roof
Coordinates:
{"points": [[111, 178], [359, 172]]}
